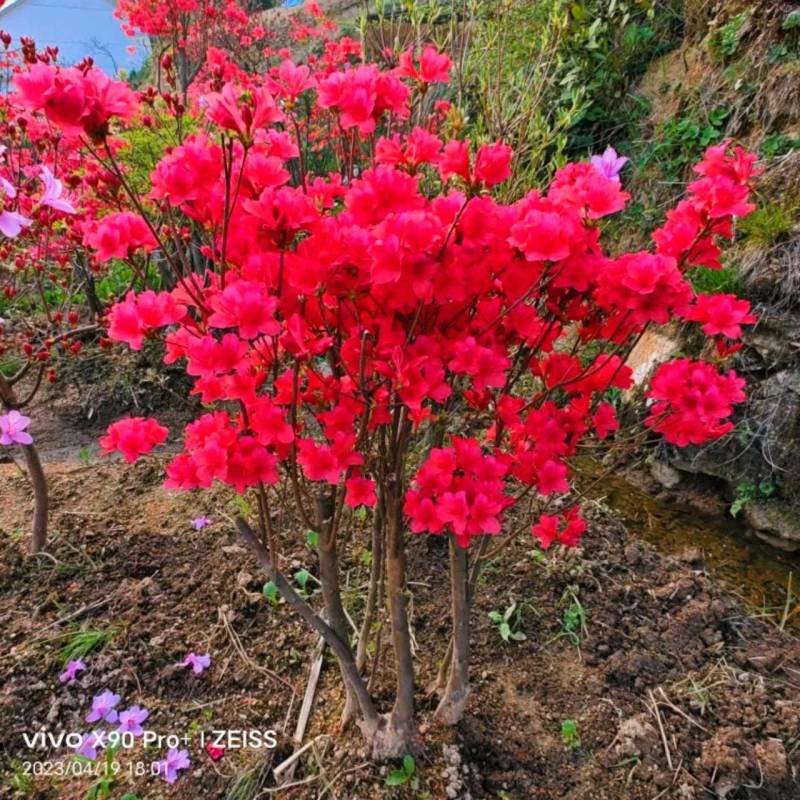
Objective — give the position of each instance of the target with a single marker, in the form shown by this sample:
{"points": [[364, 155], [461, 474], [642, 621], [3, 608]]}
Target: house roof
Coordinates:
{"points": [[8, 5], [78, 5]]}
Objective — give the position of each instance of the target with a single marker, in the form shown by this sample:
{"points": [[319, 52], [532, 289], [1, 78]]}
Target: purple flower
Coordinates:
{"points": [[609, 164], [175, 760], [103, 707], [196, 662], [11, 223], [13, 424], [53, 189], [73, 668], [130, 720], [89, 745], [200, 522]]}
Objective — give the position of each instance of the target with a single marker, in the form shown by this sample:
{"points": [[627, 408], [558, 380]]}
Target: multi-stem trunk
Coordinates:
{"points": [[454, 701], [375, 579], [369, 720], [400, 734], [331, 591]]}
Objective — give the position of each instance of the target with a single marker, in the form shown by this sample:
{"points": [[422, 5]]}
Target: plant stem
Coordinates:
{"points": [[339, 647], [452, 705], [375, 578]]}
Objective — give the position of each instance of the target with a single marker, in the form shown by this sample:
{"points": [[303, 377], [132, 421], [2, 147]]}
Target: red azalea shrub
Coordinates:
{"points": [[362, 304]]}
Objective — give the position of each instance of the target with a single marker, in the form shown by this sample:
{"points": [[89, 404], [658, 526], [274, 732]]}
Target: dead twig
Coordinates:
{"points": [[664, 741]]}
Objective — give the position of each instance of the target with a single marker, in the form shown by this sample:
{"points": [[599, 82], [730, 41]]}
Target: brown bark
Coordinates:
{"points": [[375, 579], [454, 701], [331, 592], [402, 715], [370, 721], [41, 502]]}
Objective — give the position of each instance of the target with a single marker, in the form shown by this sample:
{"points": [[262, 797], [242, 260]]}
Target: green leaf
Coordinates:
{"points": [[518, 636], [495, 616], [270, 591], [408, 764], [792, 21], [396, 778], [312, 539], [301, 578], [505, 631]]}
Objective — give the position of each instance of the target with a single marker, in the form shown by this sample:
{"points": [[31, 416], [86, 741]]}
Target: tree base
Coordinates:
{"points": [[391, 739], [452, 706]]}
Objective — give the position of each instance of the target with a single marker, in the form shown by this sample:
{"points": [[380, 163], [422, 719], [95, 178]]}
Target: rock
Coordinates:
{"points": [[635, 737], [667, 476], [651, 350], [776, 522]]}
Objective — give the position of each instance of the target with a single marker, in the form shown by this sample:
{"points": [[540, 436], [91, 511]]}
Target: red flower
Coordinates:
{"points": [[360, 492], [119, 234], [721, 314], [133, 437], [693, 400]]}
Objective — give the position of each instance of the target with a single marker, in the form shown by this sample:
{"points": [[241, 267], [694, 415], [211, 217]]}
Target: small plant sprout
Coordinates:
{"points": [[405, 775], [570, 735], [82, 642], [509, 623], [573, 623], [107, 776], [312, 539], [302, 578], [270, 591]]}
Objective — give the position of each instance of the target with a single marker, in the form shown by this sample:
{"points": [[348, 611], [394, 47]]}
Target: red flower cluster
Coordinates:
{"points": [[77, 101], [567, 529], [332, 316], [461, 489], [692, 401], [692, 227], [133, 437]]}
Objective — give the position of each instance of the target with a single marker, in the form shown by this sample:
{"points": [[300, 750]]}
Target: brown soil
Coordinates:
{"points": [[125, 559]]}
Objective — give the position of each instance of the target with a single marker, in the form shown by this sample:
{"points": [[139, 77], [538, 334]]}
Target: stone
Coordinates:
{"points": [[776, 522], [667, 476]]}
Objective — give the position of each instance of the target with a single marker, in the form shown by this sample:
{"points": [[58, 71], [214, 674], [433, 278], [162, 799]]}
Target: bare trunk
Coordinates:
{"points": [[454, 701], [375, 578], [401, 733], [331, 593], [370, 722], [41, 501]]}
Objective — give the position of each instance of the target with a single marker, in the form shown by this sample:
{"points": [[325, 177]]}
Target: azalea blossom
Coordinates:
{"points": [[200, 522], [11, 222], [103, 706], [198, 663], [609, 164], [175, 761], [53, 191], [90, 744], [130, 720], [12, 428], [71, 671]]}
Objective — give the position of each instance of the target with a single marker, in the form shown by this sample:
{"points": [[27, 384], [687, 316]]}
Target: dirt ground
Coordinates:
{"points": [[674, 690]]}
